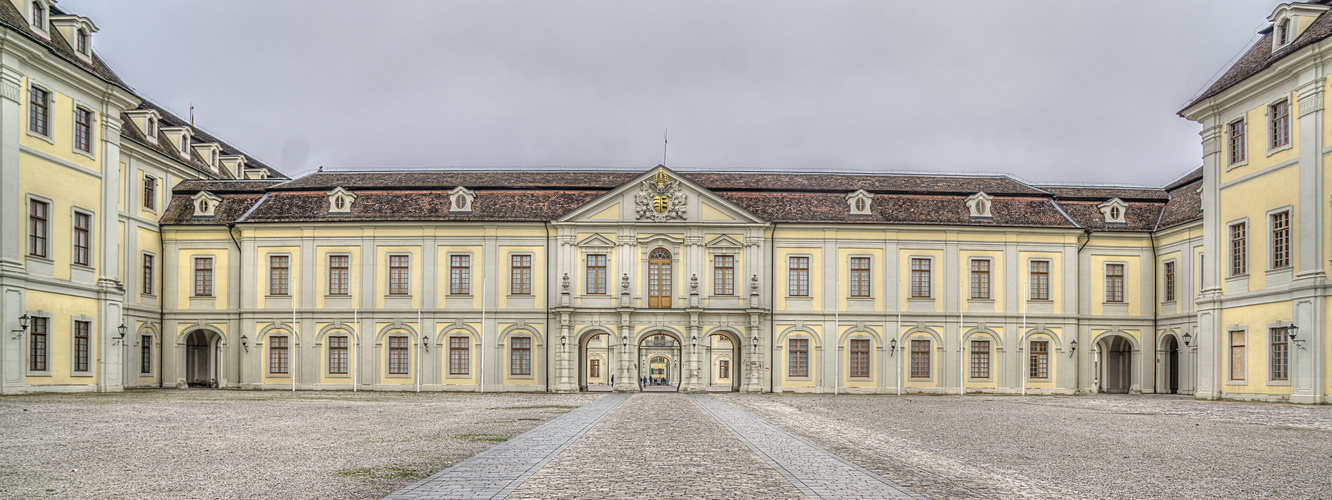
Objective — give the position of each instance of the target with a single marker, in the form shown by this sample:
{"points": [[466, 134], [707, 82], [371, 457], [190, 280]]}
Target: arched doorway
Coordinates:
{"points": [[1116, 364], [723, 358], [659, 362], [201, 358], [659, 278], [596, 353], [1170, 365]]}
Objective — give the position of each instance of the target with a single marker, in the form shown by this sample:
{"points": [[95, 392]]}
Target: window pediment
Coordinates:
{"points": [[340, 200], [724, 245], [596, 243]]}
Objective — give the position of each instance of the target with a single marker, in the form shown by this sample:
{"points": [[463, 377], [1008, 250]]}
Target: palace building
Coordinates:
{"points": [[226, 273]]}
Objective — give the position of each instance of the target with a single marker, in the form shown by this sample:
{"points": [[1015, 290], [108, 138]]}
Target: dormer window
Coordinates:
{"points": [[39, 16], [860, 203], [979, 205], [81, 41], [205, 204], [460, 200], [340, 200], [1114, 211], [1283, 32], [152, 127]]}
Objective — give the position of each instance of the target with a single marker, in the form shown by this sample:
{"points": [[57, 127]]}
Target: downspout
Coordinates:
{"points": [[1155, 315], [546, 297], [772, 323]]}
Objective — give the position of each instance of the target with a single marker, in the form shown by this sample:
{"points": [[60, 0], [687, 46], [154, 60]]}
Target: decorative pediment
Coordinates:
{"points": [[979, 205], [860, 203], [461, 200], [1114, 211], [596, 243], [724, 245], [340, 200], [660, 198], [205, 203]]}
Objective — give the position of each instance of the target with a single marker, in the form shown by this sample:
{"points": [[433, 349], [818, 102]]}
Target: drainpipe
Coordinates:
{"points": [[772, 323], [1077, 370], [1155, 312], [546, 297]]}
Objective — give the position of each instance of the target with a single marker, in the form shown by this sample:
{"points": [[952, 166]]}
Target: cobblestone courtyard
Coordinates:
{"points": [[224, 444]]}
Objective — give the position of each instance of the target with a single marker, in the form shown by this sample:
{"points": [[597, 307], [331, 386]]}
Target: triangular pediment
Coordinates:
{"points": [[596, 241], [662, 196]]}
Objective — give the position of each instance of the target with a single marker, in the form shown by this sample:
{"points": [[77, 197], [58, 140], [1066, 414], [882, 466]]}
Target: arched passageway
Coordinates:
{"points": [[202, 361], [659, 362], [1116, 364]]}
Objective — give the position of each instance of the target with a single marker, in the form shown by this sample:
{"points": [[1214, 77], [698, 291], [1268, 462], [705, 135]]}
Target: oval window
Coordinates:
{"points": [[460, 202], [338, 203], [860, 204], [203, 206], [1114, 213], [980, 207]]}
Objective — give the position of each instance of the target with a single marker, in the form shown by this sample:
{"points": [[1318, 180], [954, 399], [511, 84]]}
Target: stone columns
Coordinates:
{"points": [[625, 380], [564, 383], [1307, 362], [1207, 343], [12, 205]]}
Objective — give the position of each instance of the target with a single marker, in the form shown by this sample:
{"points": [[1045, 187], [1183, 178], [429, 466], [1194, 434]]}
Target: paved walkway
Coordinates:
{"points": [[657, 446]]}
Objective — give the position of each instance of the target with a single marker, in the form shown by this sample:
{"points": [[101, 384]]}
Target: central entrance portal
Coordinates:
{"points": [[659, 363]]}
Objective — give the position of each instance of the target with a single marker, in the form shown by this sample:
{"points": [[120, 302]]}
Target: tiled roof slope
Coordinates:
{"points": [[783, 198], [1185, 203], [1260, 56], [230, 209], [11, 18], [198, 137]]}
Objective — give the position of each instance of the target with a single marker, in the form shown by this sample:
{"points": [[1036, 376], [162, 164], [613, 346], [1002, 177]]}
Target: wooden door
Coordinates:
{"points": [[659, 278]]}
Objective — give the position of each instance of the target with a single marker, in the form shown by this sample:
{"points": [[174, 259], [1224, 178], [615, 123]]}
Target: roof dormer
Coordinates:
{"points": [[205, 203], [979, 206], [38, 14], [256, 173], [209, 151], [1114, 211], [180, 139], [1289, 20], [235, 164], [860, 203], [340, 200], [147, 121], [78, 31], [460, 200]]}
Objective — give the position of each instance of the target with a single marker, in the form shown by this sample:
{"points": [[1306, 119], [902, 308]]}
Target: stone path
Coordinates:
{"points": [[657, 446], [495, 473]]}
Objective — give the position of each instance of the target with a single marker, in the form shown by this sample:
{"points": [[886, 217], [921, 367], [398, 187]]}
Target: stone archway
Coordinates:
{"points": [[660, 346], [595, 369], [724, 363], [1115, 360], [1169, 353], [202, 363]]}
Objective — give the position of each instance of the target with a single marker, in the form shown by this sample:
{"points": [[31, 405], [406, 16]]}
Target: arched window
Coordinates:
{"points": [[1283, 32], [659, 278]]}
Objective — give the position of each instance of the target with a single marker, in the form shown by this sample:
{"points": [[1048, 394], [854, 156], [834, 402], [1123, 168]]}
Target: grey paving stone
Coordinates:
{"points": [[497, 471]]}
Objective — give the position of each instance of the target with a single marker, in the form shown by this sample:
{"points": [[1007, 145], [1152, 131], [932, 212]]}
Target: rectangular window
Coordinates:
{"points": [[397, 355], [723, 275], [521, 275], [38, 345], [1114, 282], [798, 358], [39, 116], [460, 361], [399, 280], [148, 288], [724, 368], [1040, 359], [82, 238], [920, 278], [1280, 113], [339, 272], [277, 355], [980, 279], [337, 355], [1280, 240], [798, 276], [920, 358], [38, 213], [1169, 281], [860, 277], [1239, 258], [81, 344], [149, 192], [596, 274], [146, 354], [860, 358], [1280, 354], [1238, 370], [203, 276], [279, 275], [1236, 138], [980, 359], [460, 274], [1040, 280], [594, 368], [520, 356], [83, 130]]}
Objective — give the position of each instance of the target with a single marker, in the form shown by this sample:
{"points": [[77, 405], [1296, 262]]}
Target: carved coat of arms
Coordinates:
{"points": [[660, 199]]}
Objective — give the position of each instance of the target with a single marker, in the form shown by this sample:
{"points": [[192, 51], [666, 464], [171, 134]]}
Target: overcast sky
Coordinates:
{"points": [[1058, 91]]}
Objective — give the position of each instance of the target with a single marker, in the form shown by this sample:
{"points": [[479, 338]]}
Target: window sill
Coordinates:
{"points": [[87, 154], [1236, 165], [337, 375], [457, 376], [46, 138], [1237, 382], [1278, 383], [520, 377], [1280, 148], [39, 374], [399, 375], [277, 375]]}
